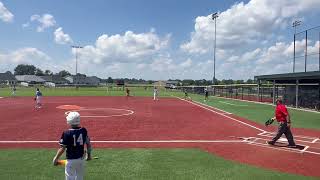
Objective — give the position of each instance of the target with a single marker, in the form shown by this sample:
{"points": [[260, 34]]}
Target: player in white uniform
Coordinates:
{"points": [[73, 141], [38, 99], [155, 93], [14, 90]]}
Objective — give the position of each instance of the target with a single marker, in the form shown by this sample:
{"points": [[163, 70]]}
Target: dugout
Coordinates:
{"points": [[301, 89]]}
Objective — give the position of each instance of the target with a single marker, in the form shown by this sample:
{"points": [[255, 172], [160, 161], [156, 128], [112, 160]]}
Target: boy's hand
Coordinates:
{"points": [[55, 161]]}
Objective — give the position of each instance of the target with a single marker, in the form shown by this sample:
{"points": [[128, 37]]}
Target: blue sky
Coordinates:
{"points": [[153, 39]]}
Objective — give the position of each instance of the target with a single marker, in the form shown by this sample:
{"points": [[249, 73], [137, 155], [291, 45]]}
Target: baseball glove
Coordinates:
{"points": [[269, 122]]}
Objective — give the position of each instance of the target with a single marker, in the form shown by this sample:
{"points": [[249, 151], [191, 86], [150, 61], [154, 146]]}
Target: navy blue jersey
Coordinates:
{"points": [[74, 140]]}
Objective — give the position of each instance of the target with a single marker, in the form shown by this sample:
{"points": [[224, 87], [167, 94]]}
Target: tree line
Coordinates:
{"points": [[26, 69]]}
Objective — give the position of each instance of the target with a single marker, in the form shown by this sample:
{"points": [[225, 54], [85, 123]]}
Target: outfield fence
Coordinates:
{"points": [[309, 94]]}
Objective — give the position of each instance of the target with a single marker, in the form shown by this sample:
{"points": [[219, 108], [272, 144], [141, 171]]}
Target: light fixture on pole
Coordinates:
{"points": [[294, 25], [76, 52], [214, 17]]}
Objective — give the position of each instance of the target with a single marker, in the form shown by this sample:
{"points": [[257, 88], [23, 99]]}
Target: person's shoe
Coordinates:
{"points": [[270, 142], [292, 146]]}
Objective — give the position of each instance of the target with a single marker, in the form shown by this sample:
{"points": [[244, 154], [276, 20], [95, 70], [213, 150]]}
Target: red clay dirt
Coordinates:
{"points": [[120, 122]]}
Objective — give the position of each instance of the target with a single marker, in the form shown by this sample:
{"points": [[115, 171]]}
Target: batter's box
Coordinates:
{"points": [[279, 144], [313, 150], [303, 139]]}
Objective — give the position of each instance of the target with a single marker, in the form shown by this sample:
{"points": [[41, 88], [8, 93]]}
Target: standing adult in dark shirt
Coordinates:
{"points": [[73, 141]]}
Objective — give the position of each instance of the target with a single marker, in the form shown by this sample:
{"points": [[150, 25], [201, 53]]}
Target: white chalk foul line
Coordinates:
{"points": [[307, 139], [225, 112], [231, 103], [304, 149], [155, 141], [222, 114]]}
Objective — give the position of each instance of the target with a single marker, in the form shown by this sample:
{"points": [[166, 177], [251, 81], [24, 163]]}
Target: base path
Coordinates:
{"points": [[121, 122]]}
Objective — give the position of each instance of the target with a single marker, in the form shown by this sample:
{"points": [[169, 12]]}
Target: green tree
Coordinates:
{"points": [[48, 72], [63, 73], [39, 72], [110, 80], [25, 69]]}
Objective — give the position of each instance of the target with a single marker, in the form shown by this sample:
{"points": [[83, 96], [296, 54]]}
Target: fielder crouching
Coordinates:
{"points": [[283, 117], [73, 141]]}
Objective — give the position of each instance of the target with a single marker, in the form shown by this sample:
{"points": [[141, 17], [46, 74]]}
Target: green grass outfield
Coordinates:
{"points": [[148, 163], [134, 164], [258, 112]]}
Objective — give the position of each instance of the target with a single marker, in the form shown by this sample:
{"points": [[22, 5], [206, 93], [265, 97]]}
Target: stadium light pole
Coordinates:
{"points": [[76, 48], [294, 25], [214, 17]]}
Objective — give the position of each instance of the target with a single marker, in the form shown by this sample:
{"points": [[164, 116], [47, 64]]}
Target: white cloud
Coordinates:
{"points": [[45, 21], [244, 24], [61, 38], [5, 14], [129, 47], [26, 55]]}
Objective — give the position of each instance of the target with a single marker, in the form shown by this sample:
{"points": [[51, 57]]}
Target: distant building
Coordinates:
{"points": [[171, 84], [120, 82], [160, 83], [7, 78], [29, 79], [93, 80], [55, 79], [83, 80]]}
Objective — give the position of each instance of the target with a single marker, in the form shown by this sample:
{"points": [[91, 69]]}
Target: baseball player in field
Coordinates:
{"points": [[73, 141], [206, 94], [14, 89], [38, 98], [155, 93], [127, 92]]}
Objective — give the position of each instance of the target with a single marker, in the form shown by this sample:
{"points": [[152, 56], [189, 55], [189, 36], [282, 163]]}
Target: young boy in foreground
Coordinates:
{"points": [[73, 140]]}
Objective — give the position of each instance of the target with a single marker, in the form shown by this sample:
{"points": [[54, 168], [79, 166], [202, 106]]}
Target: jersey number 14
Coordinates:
{"points": [[79, 140]]}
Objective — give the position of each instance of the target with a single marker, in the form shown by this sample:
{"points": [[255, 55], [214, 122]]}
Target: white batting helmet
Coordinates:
{"points": [[73, 118]]}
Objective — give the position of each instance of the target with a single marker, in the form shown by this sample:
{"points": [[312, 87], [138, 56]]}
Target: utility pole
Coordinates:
{"points": [[294, 25], [214, 17], [76, 53]]}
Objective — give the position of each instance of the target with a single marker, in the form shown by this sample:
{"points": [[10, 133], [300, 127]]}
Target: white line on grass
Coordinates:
{"points": [[269, 104], [225, 112], [232, 104], [254, 127]]}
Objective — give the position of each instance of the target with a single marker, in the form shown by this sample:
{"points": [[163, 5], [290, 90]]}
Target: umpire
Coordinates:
{"points": [[283, 118]]}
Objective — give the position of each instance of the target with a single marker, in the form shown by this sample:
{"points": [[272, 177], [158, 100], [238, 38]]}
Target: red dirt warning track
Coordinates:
{"points": [[141, 122]]}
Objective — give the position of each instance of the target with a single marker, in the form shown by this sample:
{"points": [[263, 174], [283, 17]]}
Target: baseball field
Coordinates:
{"points": [[139, 138]]}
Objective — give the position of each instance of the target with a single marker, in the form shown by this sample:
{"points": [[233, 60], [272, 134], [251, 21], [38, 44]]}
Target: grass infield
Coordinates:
{"points": [[139, 164]]}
